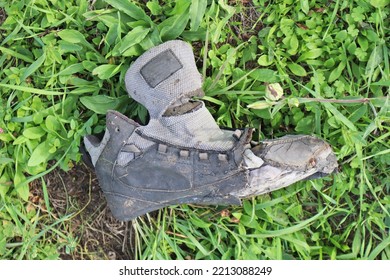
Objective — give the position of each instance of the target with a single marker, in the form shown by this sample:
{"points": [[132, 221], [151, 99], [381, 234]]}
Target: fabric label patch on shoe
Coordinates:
{"points": [[160, 68]]}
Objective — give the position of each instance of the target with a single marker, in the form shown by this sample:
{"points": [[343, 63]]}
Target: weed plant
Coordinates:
{"points": [[62, 66]]}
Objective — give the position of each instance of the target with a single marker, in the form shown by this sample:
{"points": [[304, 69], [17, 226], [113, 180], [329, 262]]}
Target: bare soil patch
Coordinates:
{"points": [[3, 16], [97, 233]]}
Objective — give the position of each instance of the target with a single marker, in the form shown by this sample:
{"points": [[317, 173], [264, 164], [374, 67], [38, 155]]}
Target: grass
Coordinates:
{"points": [[62, 67]]}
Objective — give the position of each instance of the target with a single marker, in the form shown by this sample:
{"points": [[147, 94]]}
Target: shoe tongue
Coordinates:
{"points": [[196, 130], [162, 76]]}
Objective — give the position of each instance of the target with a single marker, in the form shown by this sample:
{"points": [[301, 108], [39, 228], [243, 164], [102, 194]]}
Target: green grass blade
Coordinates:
{"points": [[332, 109], [289, 230], [16, 54], [378, 249], [197, 11], [33, 90], [130, 9]]}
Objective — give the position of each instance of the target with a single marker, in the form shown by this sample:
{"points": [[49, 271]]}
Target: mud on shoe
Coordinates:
{"points": [[181, 155]]}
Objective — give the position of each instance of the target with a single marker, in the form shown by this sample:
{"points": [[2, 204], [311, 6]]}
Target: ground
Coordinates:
{"points": [[100, 235], [3, 16]]}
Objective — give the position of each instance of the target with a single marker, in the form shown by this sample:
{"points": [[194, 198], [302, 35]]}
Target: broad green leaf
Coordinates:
{"points": [[113, 35], [352, 48], [199, 223], [249, 222], [335, 74], [249, 208], [21, 186], [5, 160], [89, 65], [173, 27], [151, 40], [329, 63], [287, 26], [65, 47], [39, 155], [3, 241], [341, 35], [72, 36], [132, 38], [311, 54], [230, 9], [131, 9], [385, 243], [72, 69], [33, 67], [106, 71], [382, 83], [375, 59], [294, 44], [264, 75], [358, 113], [264, 60], [52, 123], [297, 69], [357, 138], [100, 104], [197, 11], [339, 116], [305, 125], [181, 7], [106, 16], [34, 132], [379, 3], [20, 140], [260, 105], [5, 184], [154, 7], [16, 54], [133, 51], [305, 6], [371, 35], [5, 137]]}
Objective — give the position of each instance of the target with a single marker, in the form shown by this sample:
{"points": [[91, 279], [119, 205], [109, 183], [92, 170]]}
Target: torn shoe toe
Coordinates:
{"points": [[288, 160]]}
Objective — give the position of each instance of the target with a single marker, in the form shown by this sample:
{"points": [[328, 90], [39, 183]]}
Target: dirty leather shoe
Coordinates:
{"points": [[287, 160], [181, 155], [163, 174]]}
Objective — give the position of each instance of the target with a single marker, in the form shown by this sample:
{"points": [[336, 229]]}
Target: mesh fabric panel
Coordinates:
{"points": [[197, 129]]}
